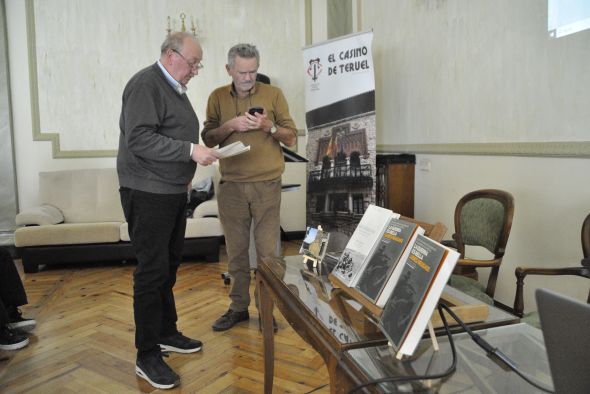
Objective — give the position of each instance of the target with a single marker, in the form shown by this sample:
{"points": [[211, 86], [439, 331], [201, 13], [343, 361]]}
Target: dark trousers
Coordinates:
{"points": [[157, 224], [12, 291]]}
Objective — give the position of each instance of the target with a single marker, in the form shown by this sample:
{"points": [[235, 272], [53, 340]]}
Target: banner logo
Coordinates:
{"points": [[314, 69]]}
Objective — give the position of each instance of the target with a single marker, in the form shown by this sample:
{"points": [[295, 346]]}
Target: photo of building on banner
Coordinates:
{"points": [[341, 143]]}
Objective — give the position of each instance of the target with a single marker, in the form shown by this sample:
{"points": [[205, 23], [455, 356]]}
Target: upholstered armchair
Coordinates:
{"points": [[482, 218]]}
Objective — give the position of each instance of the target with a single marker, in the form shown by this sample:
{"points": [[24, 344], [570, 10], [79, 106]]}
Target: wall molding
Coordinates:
{"points": [[53, 136], [551, 149], [38, 134]]}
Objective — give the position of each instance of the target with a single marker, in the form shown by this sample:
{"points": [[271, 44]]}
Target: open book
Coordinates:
{"points": [[235, 148], [362, 244], [423, 277]]}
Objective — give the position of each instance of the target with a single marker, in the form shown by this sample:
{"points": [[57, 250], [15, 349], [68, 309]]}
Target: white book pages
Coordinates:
{"points": [[232, 149], [362, 243]]}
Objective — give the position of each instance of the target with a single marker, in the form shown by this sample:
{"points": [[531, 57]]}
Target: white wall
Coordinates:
{"points": [[8, 202], [31, 156], [460, 71], [35, 156], [552, 194], [552, 198]]}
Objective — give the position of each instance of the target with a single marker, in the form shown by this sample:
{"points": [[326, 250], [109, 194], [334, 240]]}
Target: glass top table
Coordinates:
{"points": [[336, 326], [476, 373], [343, 316]]}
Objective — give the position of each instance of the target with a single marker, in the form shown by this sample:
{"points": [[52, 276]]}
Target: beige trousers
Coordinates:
{"points": [[241, 205]]}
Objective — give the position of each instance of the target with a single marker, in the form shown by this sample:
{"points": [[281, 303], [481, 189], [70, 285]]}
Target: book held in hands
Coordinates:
{"points": [[380, 274], [235, 148], [362, 244], [414, 297]]}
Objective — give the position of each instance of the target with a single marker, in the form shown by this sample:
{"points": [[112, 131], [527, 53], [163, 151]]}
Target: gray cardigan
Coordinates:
{"points": [[157, 127]]}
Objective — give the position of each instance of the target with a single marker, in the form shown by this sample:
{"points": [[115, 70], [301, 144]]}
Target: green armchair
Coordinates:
{"points": [[482, 218]]}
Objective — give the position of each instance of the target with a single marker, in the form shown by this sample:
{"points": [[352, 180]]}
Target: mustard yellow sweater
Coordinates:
{"points": [[264, 161]]}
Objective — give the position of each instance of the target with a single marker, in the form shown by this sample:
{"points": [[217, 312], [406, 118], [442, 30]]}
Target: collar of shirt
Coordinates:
{"points": [[180, 89], [234, 93]]}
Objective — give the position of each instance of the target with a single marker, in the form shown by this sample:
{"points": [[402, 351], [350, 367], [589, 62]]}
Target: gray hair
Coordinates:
{"points": [[247, 51], [175, 41]]}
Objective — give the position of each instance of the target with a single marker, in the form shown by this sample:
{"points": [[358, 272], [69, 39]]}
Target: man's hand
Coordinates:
{"points": [[203, 155], [247, 122]]}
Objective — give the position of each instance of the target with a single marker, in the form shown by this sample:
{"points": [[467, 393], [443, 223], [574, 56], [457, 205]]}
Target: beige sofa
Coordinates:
{"points": [[80, 219]]}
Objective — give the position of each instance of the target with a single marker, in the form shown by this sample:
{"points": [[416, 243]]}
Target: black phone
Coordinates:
{"points": [[252, 111]]}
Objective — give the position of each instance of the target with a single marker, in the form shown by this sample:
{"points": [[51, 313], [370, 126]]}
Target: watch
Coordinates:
{"points": [[273, 129]]}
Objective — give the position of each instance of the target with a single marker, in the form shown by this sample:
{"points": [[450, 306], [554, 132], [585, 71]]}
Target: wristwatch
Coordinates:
{"points": [[273, 129]]}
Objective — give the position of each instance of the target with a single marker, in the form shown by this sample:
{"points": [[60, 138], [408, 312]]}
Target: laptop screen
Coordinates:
{"points": [[565, 323]]}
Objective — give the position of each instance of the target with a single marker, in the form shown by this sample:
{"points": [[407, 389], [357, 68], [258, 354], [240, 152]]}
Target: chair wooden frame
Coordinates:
{"points": [[507, 202], [435, 231], [583, 270]]}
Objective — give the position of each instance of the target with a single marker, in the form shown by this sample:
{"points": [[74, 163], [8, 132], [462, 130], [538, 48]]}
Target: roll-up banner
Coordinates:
{"points": [[341, 143]]}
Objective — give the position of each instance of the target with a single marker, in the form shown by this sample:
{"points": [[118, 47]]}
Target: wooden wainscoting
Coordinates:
{"points": [[84, 339]]}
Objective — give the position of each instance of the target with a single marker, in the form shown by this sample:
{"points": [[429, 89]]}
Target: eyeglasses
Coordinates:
{"points": [[193, 65]]}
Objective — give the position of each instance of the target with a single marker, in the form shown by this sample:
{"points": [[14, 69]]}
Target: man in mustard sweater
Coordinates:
{"points": [[250, 186]]}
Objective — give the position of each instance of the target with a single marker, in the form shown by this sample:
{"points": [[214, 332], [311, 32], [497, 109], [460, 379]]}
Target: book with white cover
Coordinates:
{"points": [[362, 243], [235, 148], [423, 277]]}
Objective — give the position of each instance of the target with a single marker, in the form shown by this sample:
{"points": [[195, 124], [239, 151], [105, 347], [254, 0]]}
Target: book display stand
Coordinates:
{"points": [[468, 313], [402, 299], [374, 311]]}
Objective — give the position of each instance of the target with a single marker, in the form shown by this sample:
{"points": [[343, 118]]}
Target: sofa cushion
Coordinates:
{"points": [[83, 196], [203, 227], [45, 214], [207, 208], [67, 233], [195, 228]]}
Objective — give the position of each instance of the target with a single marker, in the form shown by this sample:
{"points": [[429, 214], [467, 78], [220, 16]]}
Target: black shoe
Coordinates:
{"points": [[157, 373], [17, 321], [230, 319], [275, 326], [12, 339], [180, 344]]}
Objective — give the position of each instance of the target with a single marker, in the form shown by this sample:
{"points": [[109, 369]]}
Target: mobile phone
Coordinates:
{"points": [[252, 111]]}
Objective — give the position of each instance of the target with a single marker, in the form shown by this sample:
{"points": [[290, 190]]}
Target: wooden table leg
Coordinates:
{"points": [[266, 307]]}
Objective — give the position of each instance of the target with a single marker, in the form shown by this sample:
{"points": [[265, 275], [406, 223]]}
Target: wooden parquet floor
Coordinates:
{"points": [[83, 342]]}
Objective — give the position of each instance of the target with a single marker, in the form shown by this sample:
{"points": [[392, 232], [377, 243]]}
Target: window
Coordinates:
{"points": [[339, 202], [320, 201], [358, 204], [355, 164]]}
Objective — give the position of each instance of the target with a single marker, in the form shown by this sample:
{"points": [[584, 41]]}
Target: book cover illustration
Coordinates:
{"points": [[362, 244], [390, 250], [346, 269], [406, 300]]}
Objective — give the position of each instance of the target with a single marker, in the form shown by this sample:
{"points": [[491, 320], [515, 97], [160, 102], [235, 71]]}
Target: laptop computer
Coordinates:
{"points": [[565, 323]]}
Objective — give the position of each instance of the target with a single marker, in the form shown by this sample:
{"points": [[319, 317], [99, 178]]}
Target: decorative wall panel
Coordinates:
{"points": [[83, 53]]}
